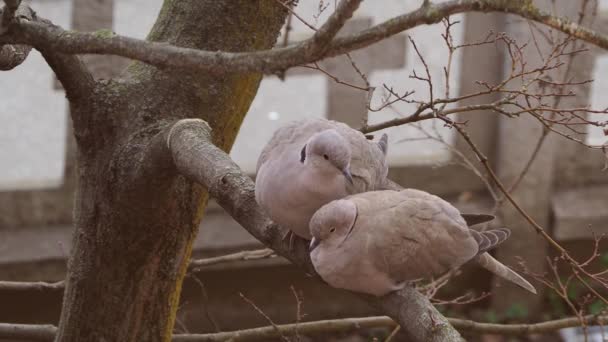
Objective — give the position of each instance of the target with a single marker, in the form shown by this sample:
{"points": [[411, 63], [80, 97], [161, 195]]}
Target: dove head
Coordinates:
{"points": [[329, 151], [333, 223]]}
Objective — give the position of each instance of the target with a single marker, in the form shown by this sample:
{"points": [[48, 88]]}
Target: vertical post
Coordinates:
{"points": [[516, 140], [487, 69], [577, 164]]}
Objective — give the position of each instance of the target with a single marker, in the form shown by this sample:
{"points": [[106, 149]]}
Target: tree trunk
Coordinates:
{"points": [[135, 217]]}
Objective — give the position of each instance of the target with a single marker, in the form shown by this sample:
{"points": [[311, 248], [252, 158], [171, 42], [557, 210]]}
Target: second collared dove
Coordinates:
{"points": [[376, 242], [311, 162]]}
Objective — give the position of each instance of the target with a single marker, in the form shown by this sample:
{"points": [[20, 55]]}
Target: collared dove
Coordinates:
{"points": [[311, 162], [376, 242]]}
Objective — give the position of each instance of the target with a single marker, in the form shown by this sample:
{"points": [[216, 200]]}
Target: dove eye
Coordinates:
{"points": [[326, 157], [332, 229]]}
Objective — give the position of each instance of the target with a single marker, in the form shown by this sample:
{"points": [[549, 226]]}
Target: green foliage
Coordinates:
{"points": [[491, 316], [516, 311], [604, 259], [557, 304], [574, 290], [597, 307]]}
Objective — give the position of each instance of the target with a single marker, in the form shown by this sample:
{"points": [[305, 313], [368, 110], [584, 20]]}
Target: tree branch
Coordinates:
{"points": [[195, 265], [189, 142], [12, 56], [71, 72], [28, 332], [344, 325], [265, 253], [164, 55], [321, 45], [30, 286], [527, 329]]}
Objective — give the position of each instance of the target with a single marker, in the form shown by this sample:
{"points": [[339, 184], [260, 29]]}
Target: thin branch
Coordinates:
{"points": [[344, 325], [418, 116], [526, 329], [195, 265], [30, 286], [29, 332], [277, 330], [393, 334], [298, 312], [538, 228], [289, 8], [205, 303], [307, 328], [321, 45]]}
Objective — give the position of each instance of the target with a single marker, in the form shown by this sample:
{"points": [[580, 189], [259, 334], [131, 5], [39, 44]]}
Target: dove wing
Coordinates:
{"points": [[417, 235], [368, 160]]}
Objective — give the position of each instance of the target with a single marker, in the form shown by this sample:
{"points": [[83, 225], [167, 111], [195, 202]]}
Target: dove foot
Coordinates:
{"points": [[289, 235], [292, 238]]}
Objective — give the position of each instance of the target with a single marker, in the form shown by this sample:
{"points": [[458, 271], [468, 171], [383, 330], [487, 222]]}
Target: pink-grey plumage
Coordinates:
{"points": [[307, 164], [376, 242]]}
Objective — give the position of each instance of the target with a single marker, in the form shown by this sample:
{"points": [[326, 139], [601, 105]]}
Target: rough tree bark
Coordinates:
{"points": [[135, 217]]}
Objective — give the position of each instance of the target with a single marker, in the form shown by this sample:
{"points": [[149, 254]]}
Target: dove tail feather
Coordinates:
{"points": [[473, 219], [489, 239], [486, 261]]}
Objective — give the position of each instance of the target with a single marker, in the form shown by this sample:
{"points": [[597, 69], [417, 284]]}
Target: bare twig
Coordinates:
{"points": [[393, 333], [195, 265], [540, 230], [264, 253], [298, 312], [277, 330], [205, 301], [29, 332], [47, 332], [30, 286]]}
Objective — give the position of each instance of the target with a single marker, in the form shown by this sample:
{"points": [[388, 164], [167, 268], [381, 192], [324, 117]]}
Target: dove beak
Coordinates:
{"points": [[314, 243], [348, 175]]}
